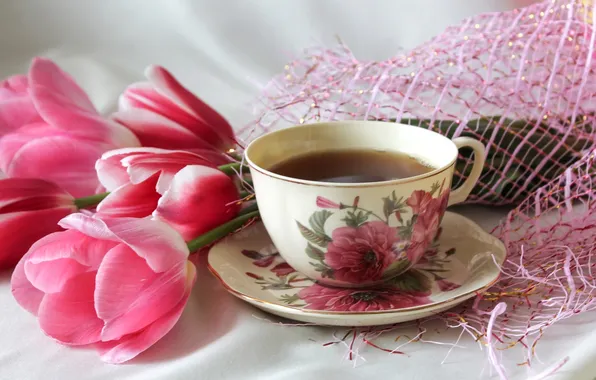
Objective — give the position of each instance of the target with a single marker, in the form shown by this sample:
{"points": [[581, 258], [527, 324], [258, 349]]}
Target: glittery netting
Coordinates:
{"points": [[523, 83]]}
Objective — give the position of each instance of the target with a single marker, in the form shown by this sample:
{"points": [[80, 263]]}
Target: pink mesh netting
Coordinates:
{"points": [[523, 83]]}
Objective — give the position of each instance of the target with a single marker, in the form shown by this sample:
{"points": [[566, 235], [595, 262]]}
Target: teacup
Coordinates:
{"points": [[357, 234]]}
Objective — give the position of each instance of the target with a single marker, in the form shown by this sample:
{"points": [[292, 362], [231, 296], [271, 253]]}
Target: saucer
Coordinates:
{"points": [[462, 261]]}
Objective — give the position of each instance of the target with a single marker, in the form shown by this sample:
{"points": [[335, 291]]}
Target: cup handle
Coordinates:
{"points": [[461, 193]]}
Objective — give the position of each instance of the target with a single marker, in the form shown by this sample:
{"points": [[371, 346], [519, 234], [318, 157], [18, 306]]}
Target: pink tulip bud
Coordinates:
{"points": [[199, 199], [326, 203], [29, 210], [164, 114], [193, 196]]}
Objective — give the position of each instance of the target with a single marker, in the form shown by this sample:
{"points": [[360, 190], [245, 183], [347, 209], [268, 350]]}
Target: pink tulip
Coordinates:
{"points": [[50, 130], [117, 284], [164, 114], [178, 187], [136, 177], [29, 210], [199, 199]]}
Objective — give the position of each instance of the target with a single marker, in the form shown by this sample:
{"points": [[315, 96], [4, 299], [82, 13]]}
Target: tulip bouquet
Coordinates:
{"points": [[100, 214]]}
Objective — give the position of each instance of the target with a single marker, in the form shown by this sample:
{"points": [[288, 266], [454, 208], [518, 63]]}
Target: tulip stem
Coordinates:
{"points": [[244, 194], [233, 168], [221, 231], [249, 209], [89, 201]]}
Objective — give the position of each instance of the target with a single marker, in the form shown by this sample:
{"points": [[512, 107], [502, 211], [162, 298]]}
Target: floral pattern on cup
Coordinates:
{"points": [[368, 249], [413, 288]]}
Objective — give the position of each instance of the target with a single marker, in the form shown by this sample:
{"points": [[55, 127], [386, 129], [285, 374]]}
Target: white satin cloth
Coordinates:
{"points": [[225, 51]]}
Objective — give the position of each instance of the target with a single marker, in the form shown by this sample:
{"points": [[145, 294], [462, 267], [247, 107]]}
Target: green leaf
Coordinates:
{"points": [[323, 269], [350, 219], [313, 237], [252, 254], [406, 231], [387, 207], [450, 252], [399, 203], [274, 284], [355, 219], [289, 299], [396, 267], [318, 219], [391, 204], [412, 281], [433, 189], [361, 218], [315, 253]]}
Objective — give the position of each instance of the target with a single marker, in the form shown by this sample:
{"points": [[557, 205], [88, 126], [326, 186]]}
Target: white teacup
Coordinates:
{"points": [[356, 234]]}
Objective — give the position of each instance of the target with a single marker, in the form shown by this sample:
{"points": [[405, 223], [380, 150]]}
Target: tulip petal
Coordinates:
{"points": [[89, 225], [168, 163], [22, 190], [132, 345], [198, 199], [109, 169], [133, 201], [11, 143], [45, 73], [65, 161], [26, 295], [16, 112], [16, 107], [119, 167], [62, 103], [149, 238], [19, 230], [155, 130], [58, 257], [69, 316], [129, 295], [142, 95], [14, 85], [222, 134]]}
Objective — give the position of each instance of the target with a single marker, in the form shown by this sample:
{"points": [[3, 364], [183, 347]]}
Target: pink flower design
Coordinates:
{"points": [[282, 269], [361, 254], [117, 284], [428, 219], [164, 114], [419, 201], [319, 297], [29, 210], [326, 203], [51, 130], [178, 187], [446, 286]]}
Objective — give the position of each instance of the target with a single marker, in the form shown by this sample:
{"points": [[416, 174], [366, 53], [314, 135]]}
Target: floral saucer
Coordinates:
{"points": [[463, 261]]}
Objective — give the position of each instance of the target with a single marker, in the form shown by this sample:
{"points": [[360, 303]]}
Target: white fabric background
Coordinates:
{"points": [[224, 51]]}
